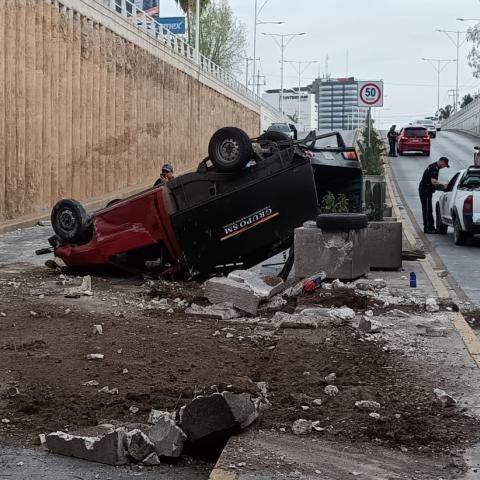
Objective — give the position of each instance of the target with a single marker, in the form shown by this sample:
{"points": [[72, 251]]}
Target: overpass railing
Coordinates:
{"points": [[179, 46]]}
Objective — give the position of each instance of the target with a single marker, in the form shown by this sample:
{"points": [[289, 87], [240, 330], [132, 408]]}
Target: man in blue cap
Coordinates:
{"points": [[165, 176]]}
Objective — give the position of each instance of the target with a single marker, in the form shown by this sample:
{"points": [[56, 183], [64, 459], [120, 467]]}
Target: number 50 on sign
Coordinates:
{"points": [[370, 94]]}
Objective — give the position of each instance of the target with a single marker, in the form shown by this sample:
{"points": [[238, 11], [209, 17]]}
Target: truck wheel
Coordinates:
{"points": [[70, 221], [442, 229], [459, 236], [230, 149], [342, 221]]}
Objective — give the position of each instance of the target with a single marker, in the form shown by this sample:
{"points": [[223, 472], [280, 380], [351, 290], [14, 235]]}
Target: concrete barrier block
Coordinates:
{"points": [[340, 255], [385, 244]]}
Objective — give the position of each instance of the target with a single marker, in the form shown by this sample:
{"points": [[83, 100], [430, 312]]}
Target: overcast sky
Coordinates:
{"points": [[385, 40]]}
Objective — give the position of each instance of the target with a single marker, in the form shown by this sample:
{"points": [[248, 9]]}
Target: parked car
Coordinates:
{"points": [[284, 128], [414, 138], [459, 205], [429, 125]]}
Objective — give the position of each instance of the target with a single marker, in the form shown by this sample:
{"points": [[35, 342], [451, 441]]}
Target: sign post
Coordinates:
{"points": [[370, 94]]}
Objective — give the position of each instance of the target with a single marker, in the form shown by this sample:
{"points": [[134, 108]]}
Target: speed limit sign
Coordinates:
{"points": [[370, 94]]}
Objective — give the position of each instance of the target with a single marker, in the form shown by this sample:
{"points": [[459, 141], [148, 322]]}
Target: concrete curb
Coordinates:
{"points": [[94, 204]]}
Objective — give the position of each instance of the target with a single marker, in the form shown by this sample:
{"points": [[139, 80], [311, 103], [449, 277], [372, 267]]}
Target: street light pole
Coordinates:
{"points": [[300, 72], [255, 23], [457, 44], [197, 30], [283, 45], [439, 69]]}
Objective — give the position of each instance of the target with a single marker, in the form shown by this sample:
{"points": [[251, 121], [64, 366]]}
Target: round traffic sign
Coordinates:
{"points": [[370, 94]]}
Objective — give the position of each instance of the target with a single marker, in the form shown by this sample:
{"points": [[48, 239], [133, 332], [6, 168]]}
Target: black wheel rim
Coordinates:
{"points": [[66, 220], [228, 150]]}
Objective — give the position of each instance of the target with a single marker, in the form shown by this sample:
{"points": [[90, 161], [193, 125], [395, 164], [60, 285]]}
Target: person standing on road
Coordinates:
{"points": [[428, 184], [392, 136], [165, 176]]}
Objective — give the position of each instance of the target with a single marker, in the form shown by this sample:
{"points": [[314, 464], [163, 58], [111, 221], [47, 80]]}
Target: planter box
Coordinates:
{"points": [[340, 255], [385, 244], [373, 179]]}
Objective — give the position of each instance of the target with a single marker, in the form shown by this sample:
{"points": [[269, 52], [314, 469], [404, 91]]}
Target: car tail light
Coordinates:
{"points": [[468, 205], [403, 137], [350, 155], [426, 137]]}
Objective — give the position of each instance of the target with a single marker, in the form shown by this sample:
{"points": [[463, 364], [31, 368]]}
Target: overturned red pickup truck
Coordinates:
{"points": [[240, 207]]}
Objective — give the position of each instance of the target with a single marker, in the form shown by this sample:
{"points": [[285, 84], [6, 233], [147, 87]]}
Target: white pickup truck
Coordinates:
{"points": [[459, 205]]}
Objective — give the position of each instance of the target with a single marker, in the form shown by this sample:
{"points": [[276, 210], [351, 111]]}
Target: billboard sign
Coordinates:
{"points": [[174, 24]]}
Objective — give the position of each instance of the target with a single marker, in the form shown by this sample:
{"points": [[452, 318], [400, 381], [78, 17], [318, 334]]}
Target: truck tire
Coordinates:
{"points": [[459, 236], [71, 222], [342, 221], [441, 228], [230, 149]]}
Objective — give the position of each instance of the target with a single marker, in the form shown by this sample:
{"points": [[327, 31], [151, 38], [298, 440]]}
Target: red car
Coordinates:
{"points": [[227, 213], [414, 139]]}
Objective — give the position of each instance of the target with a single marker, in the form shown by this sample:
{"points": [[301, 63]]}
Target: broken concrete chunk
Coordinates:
{"points": [[331, 390], [97, 330], [90, 383], [317, 402], [110, 391], [260, 285], [105, 446], [221, 290], [443, 398], [84, 289], [367, 405], [295, 320], [138, 445], [151, 460], [205, 416], [338, 284], [40, 439], [167, 437], [95, 356], [330, 378], [274, 304], [302, 427], [431, 305], [242, 407], [374, 415], [222, 311], [156, 415]]}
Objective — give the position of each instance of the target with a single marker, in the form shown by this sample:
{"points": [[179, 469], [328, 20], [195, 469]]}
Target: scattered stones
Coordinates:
{"points": [[5, 421], [106, 445], [331, 390], [124, 371], [222, 311], [302, 427], [85, 289], [436, 331], [374, 415], [376, 284], [365, 324], [343, 313], [369, 313], [133, 409], [3, 314], [229, 335], [431, 305], [399, 313], [90, 383], [330, 378], [110, 391], [95, 356], [297, 320], [317, 402], [151, 460], [443, 398], [156, 415], [338, 284], [33, 314], [40, 439], [167, 437], [274, 304], [97, 330], [305, 408], [138, 445], [367, 405]]}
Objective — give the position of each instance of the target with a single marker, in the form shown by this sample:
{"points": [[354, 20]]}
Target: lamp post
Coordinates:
{"points": [[300, 71], [257, 22], [283, 45], [436, 64], [197, 30], [458, 44]]}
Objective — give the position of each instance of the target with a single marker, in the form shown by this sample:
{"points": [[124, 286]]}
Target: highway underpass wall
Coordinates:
{"points": [[466, 119], [90, 105]]}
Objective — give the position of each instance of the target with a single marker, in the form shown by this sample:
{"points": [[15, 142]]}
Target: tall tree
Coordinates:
{"points": [[444, 113], [223, 38], [473, 36], [466, 100]]}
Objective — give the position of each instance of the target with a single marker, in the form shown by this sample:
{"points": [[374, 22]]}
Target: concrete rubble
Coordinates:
{"points": [[167, 437], [367, 405], [431, 305], [245, 289], [302, 427], [331, 390], [222, 311], [85, 289], [138, 445], [444, 398]]}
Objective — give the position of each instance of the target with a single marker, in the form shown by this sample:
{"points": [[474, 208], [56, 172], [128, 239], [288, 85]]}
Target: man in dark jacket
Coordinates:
{"points": [[392, 136], [165, 176], [428, 184]]}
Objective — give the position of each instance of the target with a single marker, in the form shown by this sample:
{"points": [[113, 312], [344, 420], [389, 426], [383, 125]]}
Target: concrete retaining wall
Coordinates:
{"points": [[90, 105], [466, 120]]}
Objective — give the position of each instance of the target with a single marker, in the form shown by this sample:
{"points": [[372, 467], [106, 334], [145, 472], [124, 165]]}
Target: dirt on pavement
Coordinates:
{"points": [[158, 359]]}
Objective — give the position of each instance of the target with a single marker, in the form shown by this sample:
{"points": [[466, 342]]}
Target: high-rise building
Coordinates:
{"points": [[337, 103]]}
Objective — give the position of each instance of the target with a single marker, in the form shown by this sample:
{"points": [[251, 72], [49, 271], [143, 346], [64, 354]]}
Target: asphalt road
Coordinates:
{"points": [[462, 262]]}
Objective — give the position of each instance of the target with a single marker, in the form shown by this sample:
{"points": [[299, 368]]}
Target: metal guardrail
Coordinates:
{"points": [[179, 46]]}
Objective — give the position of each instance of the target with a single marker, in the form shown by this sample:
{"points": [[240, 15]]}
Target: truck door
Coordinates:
{"points": [[448, 198]]}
